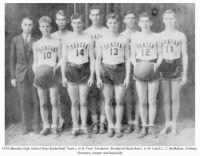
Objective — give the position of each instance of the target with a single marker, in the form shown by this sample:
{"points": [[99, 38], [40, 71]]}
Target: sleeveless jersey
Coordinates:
{"points": [[128, 35], [113, 49], [77, 48], [171, 44], [145, 46], [47, 51], [96, 34]]}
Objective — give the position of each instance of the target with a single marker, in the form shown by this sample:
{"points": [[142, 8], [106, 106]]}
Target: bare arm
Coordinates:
{"points": [[127, 61], [132, 52], [63, 60], [160, 56], [92, 60]]}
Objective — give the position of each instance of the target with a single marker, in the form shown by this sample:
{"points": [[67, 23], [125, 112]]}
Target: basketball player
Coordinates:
{"points": [[113, 72], [96, 31], [46, 52], [145, 46], [61, 22], [174, 69], [130, 22], [78, 72]]}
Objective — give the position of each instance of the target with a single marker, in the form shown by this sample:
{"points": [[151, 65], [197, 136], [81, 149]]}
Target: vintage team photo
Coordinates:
{"points": [[100, 74]]}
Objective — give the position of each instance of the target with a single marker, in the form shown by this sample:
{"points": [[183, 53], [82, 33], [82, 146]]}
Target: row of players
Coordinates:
{"points": [[98, 62]]}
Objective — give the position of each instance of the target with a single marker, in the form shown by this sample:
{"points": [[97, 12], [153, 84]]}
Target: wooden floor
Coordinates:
{"points": [[185, 137]]}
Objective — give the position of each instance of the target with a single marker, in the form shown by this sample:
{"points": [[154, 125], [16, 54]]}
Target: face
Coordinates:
{"points": [[45, 28], [130, 20], [169, 20], [77, 25], [61, 22], [27, 26], [95, 16], [144, 23], [113, 25]]}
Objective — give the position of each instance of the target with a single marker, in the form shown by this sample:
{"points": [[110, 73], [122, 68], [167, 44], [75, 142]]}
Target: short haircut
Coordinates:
{"points": [[145, 14], [77, 16], [45, 19], [96, 7], [60, 12], [113, 16], [27, 18], [169, 11], [129, 12]]}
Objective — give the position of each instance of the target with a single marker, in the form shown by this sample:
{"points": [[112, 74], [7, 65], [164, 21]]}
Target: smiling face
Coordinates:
{"points": [[169, 20], [130, 20], [95, 16], [77, 24], [113, 25], [61, 21], [27, 25], [45, 28], [144, 23]]}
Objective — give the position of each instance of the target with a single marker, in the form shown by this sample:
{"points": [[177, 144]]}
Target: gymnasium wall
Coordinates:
{"points": [[186, 23]]}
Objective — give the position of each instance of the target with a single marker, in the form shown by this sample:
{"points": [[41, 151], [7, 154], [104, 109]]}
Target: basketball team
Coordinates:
{"points": [[103, 70]]}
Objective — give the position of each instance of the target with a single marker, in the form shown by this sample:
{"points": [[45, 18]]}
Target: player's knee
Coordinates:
{"points": [[142, 102], [83, 103], [43, 104], [75, 103], [152, 101], [108, 101]]}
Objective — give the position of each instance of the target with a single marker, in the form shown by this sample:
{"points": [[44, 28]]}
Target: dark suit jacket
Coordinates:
{"points": [[21, 59]]}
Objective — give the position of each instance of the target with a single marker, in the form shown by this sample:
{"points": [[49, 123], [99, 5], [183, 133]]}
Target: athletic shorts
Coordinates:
{"points": [[76, 73], [48, 82], [171, 69], [156, 76], [113, 74]]}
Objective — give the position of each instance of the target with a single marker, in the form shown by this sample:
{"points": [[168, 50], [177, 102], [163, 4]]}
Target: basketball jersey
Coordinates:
{"points": [[77, 48], [47, 51], [145, 46], [113, 49], [171, 44], [128, 35], [96, 34]]}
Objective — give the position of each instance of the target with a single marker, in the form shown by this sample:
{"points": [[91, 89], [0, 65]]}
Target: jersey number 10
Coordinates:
{"points": [[47, 55]]}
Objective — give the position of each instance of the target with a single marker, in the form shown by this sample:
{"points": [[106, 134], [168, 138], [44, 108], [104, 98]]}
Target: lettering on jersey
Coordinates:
{"points": [[47, 51], [114, 47], [96, 36], [79, 45], [146, 48], [170, 44]]}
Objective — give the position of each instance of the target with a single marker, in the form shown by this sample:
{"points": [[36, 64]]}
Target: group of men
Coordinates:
{"points": [[96, 66]]}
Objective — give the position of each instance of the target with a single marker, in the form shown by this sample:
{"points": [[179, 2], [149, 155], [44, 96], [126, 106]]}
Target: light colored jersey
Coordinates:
{"points": [[171, 44], [96, 33], [128, 35], [145, 46], [47, 51], [60, 36], [113, 49], [77, 48]]}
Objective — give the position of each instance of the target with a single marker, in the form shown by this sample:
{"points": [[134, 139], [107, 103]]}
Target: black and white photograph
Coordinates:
{"points": [[99, 74]]}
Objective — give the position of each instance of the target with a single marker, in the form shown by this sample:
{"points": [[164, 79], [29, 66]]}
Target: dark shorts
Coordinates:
{"points": [[48, 81], [171, 69], [77, 73], [113, 74], [156, 75]]}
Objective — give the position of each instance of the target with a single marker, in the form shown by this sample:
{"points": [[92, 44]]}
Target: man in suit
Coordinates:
{"points": [[22, 76]]}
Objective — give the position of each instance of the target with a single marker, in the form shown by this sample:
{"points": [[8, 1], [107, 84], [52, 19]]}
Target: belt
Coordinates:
{"points": [[77, 65], [114, 66], [153, 61]]}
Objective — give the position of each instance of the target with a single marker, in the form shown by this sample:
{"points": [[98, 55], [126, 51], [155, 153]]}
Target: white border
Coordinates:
{"points": [[157, 152]]}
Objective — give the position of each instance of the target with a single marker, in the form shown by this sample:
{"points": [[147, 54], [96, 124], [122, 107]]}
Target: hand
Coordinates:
{"points": [[64, 82], [13, 82], [126, 83], [183, 81], [99, 83], [91, 81]]}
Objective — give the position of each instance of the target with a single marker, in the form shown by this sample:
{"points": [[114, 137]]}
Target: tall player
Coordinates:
{"points": [[78, 72], [174, 69], [46, 53], [96, 31], [113, 72], [145, 46], [61, 22], [130, 22]]}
